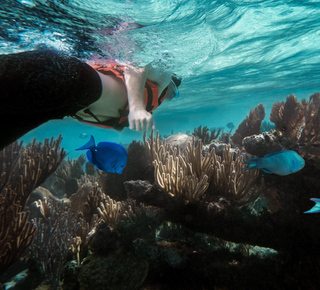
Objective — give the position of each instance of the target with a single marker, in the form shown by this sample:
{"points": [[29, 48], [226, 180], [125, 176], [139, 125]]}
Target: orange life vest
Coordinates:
{"points": [[151, 93]]}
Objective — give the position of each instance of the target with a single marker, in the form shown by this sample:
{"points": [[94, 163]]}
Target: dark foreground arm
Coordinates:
{"points": [[41, 85]]}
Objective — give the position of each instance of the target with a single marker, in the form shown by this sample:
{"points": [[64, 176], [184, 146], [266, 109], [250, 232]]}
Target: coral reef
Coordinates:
{"points": [[112, 212], [310, 133], [268, 142], [288, 116], [188, 176], [59, 230], [113, 272], [87, 198], [23, 169], [104, 240], [174, 175], [204, 135], [64, 181], [186, 215], [231, 182], [69, 169], [16, 232], [297, 128], [137, 167], [249, 126], [64, 228], [260, 145]]}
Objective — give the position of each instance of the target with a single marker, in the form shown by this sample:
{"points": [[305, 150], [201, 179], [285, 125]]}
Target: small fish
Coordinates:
{"points": [[107, 156], [83, 135], [230, 125], [282, 163], [316, 207]]}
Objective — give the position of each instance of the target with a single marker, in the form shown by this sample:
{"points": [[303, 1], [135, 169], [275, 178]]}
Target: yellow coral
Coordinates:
{"points": [[189, 175], [112, 211]]}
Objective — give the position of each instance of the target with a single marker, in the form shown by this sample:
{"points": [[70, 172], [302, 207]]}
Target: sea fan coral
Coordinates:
{"points": [[23, 169], [61, 231], [288, 116], [67, 174], [249, 126], [311, 130], [87, 198], [204, 134]]}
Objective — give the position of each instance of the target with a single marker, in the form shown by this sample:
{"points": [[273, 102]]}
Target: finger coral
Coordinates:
{"points": [[174, 173], [112, 211], [172, 178], [188, 176], [231, 181]]}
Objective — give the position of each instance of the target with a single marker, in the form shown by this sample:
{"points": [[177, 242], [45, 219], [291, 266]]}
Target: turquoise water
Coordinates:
{"points": [[231, 55]]}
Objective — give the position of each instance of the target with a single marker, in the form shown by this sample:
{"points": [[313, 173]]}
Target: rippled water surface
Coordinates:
{"points": [[231, 55]]}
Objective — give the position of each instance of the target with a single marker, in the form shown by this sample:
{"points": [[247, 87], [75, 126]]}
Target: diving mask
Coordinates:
{"points": [[176, 91]]}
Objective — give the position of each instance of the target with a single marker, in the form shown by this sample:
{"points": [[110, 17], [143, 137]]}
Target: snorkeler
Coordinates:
{"points": [[41, 85]]}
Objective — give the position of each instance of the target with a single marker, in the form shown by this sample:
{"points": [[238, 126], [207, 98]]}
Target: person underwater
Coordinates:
{"points": [[316, 207], [282, 163], [106, 156]]}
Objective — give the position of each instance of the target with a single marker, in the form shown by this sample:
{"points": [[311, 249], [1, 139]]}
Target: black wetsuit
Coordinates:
{"points": [[41, 85]]}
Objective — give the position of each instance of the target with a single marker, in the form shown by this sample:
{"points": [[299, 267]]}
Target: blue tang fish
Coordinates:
{"points": [[282, 163], [107, 156], [316, 207]]}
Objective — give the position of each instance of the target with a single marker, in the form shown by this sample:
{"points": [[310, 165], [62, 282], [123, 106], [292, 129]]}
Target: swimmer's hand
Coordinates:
{"points": [[140, 120], [135, 79]]}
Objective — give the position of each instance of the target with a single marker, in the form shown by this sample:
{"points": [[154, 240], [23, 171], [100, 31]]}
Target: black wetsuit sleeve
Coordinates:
{"points": [[41, 85]]}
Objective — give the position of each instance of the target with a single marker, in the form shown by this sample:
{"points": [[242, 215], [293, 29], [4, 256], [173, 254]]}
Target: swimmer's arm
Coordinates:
{"points": [[135, 78]]}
